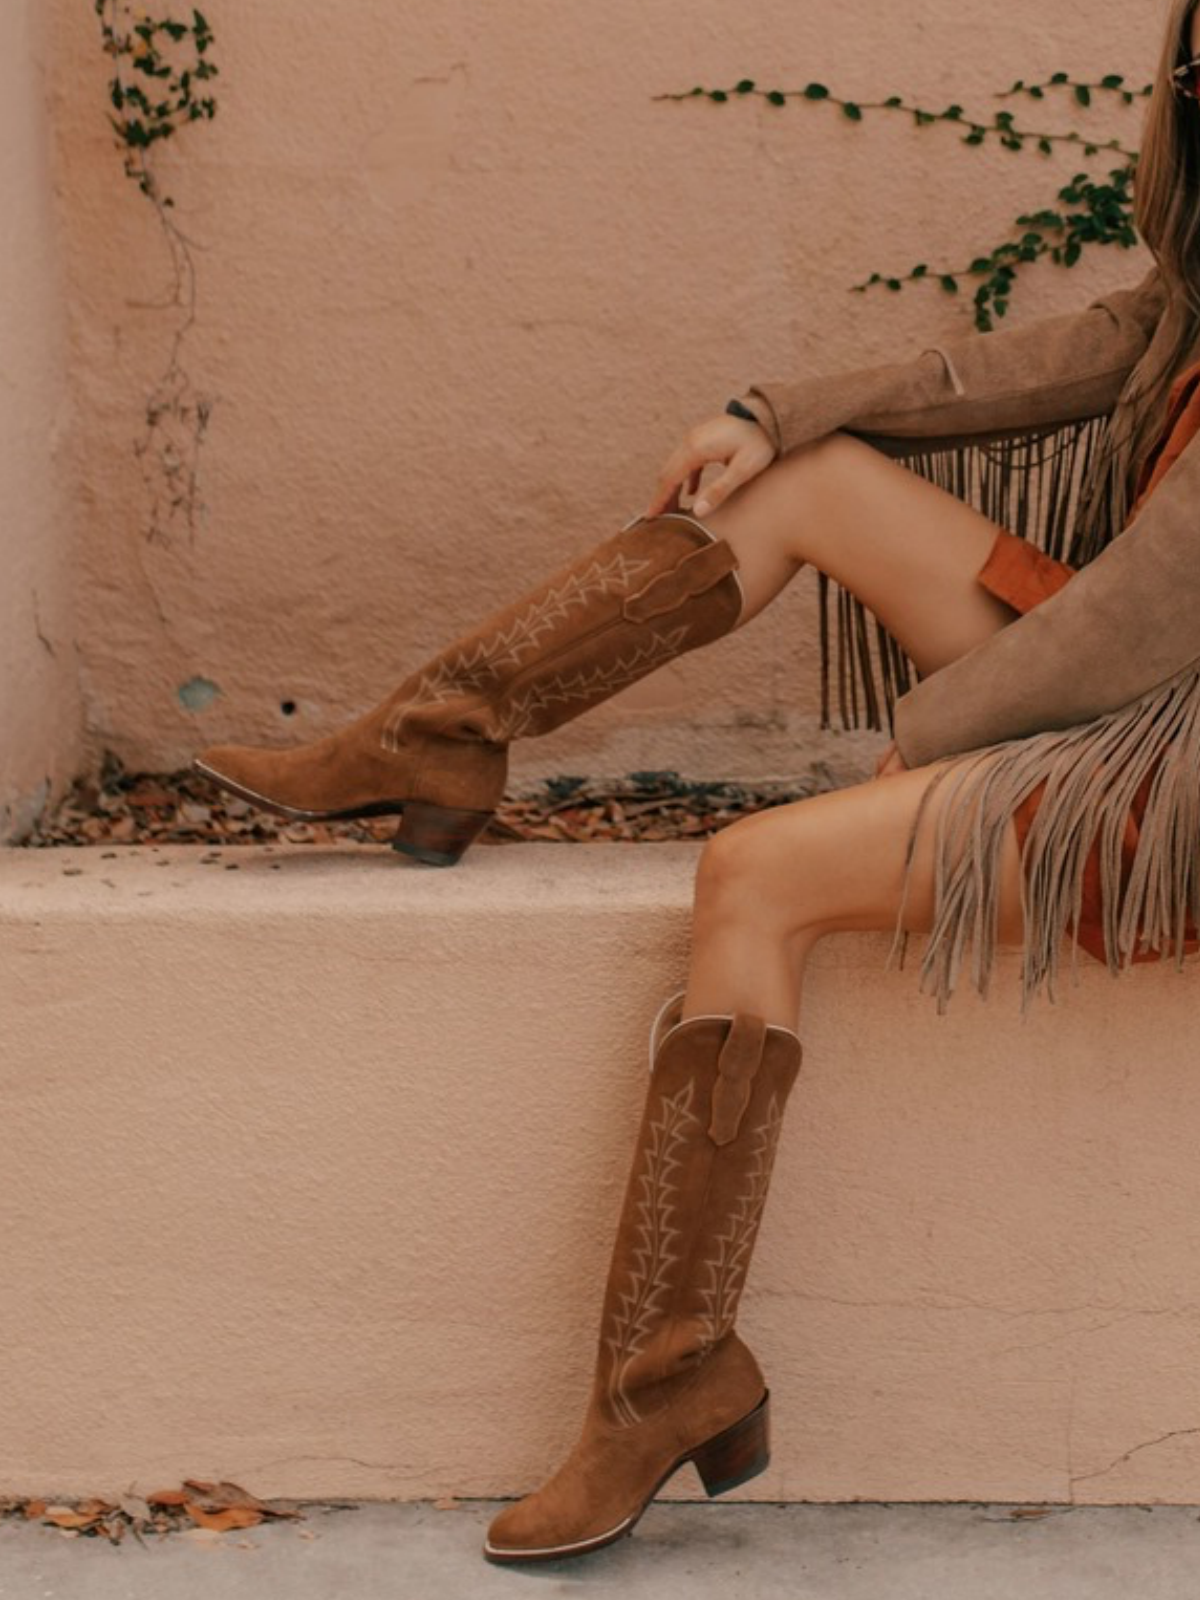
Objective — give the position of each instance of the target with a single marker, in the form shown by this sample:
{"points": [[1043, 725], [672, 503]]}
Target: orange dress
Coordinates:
{"points": [[1023, 577]]}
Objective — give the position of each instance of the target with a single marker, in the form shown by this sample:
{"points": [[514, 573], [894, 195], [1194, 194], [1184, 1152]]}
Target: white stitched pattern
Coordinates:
{"points": [[726, 1265], [504, 651], [640, 1302], [587, 686]]}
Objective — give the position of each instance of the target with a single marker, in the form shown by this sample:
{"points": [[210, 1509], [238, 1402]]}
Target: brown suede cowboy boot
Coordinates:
{"points": [[673, 1382], [435, 750]]}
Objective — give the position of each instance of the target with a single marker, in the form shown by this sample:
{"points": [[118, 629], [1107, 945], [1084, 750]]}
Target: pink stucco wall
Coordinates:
{"points": [[463, 283], [40, 718]]}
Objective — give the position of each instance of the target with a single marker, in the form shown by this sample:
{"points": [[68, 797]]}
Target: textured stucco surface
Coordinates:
{"points": [[463, 284], [40, 718], [308, 1178]]}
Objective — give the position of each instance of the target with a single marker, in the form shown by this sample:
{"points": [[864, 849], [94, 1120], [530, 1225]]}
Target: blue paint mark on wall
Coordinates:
{"points": [[198, 694]]}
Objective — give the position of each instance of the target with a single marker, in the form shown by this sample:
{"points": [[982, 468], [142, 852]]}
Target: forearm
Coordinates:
{"points": [[1055, 370], [1125, 624]]}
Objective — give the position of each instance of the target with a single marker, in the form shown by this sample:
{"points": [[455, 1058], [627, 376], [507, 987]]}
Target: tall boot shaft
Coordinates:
{"points": [[693, 1204], [651, 592]]}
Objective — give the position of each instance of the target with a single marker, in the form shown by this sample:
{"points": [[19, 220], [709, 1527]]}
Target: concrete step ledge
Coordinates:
{"points": [[309, 1170]]}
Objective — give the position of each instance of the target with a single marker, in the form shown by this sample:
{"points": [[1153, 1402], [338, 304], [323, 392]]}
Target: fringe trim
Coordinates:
{"points": [[1092, 773], [1056, 487]]}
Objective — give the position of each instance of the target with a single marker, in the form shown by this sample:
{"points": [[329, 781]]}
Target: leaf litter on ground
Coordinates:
{"points": [[115, 806]]}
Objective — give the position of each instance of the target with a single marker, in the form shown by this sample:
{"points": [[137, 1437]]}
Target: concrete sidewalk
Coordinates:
{"points": [[377, 1551]]}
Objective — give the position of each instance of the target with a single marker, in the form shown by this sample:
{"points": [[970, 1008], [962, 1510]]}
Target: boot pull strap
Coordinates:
{"points": [[698, 572], [739, 1061]]}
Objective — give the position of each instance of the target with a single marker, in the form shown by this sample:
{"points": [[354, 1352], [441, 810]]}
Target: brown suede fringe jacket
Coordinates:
{"points": [[1092, 690]]}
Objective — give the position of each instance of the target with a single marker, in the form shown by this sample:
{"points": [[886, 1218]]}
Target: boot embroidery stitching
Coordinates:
{"points": [[506, 649], [726, 1266], [587, 686], [655, 1252]]}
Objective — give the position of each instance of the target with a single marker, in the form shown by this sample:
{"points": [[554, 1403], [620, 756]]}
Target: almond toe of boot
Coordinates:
{"points": [[279, 780], [535, 1529]]}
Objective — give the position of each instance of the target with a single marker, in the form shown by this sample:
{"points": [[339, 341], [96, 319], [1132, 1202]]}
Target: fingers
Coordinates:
{"points": [[684, 468], [744, 466], [740, 448]]}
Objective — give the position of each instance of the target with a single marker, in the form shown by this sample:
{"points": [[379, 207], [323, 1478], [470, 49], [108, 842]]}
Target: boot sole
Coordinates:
{"points": [[724, 1462], [435, 835]]}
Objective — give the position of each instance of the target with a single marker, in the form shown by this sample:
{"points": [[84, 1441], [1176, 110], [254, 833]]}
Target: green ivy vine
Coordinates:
{"points": [[1087, 211], [161, 82]]}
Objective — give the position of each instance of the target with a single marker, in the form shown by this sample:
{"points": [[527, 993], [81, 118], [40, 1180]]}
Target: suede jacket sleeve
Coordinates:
{"points": [[1056, 370], [1124, 625]]}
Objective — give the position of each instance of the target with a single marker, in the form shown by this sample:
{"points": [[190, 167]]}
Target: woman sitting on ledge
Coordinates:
{"points": [[1044, 782]]}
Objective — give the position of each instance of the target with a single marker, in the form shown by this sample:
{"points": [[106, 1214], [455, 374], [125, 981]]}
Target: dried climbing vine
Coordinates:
{"points": [[162, 78], [1086, 212]]}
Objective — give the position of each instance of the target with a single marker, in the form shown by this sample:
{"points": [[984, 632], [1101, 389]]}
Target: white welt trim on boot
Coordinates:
{"points": [[664, 1026], [660, 1022]]}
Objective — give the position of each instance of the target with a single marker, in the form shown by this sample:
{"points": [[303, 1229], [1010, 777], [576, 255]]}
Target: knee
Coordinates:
{"points": [[739, 878]]}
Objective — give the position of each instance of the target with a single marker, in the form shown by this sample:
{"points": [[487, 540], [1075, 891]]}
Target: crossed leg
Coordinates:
{"points": [[768, 888]]}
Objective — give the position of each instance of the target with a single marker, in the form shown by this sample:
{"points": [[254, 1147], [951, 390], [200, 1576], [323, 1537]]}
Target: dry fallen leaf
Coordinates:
{"points": [[222, 1521], [64, 1517]]}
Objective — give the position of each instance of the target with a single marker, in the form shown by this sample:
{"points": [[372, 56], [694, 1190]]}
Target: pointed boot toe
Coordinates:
{"points": [[292, 783]]}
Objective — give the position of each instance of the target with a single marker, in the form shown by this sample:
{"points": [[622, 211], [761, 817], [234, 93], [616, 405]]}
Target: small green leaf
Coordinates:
{"points": [[718, 95], [1061, 77], [852, 111], [746, 86], [893, 102], [952, 114], [1045, 147], [777, 98], [1083, 94], [1072, 253], [816, 91], [920, 272], [978, 137], [1018, 86], [1037, 94], [950, 284], [894, 285], [1114, 80]]}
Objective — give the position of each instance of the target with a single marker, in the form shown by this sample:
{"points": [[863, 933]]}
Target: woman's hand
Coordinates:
{"points": [[741, 447], [890, 762]]}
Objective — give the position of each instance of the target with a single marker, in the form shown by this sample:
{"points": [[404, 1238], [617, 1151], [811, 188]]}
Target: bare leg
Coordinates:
{"points": [[907, 549], [769, 887]]}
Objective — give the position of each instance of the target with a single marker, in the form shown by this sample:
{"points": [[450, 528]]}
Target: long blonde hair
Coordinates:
{"points": [[1167, 187], [1167, 213]]}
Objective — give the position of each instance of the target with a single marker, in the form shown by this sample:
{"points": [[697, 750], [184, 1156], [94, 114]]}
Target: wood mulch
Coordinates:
{"points": [[131, 808]]}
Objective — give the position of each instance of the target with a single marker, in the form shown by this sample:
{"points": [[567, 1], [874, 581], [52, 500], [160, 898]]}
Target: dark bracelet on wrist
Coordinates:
{"points": [[735, 408]]}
